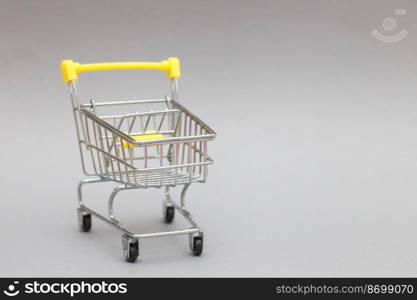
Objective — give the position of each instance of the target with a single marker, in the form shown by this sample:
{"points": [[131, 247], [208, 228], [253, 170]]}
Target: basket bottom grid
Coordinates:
{"points": [[156, 178]]}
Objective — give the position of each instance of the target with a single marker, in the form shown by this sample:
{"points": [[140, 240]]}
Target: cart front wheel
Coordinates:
{"points": [[169, 214], [84, 220], [130, 248], [133, 254], [197, 245]]}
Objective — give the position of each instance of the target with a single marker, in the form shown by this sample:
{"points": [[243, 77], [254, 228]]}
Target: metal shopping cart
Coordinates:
{"points": [[140, 144]]}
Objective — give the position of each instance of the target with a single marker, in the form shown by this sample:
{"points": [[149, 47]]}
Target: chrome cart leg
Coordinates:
{"points": [[181, 208], [111, 200], [84, 217], [80, 185], [183, 192], [130, 248], [168, 209], [195, 239]]}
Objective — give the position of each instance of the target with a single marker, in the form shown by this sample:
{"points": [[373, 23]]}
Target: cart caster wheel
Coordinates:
{"points": [[133, 254], [130, 248], [169, 214], [84, 221], [197, 245]]}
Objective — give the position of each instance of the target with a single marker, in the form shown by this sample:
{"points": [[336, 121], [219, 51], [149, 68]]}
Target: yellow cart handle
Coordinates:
{"points": [[71, 69]]}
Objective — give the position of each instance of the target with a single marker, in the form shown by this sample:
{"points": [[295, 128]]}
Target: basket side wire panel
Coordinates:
{"points": [[108, 156]]}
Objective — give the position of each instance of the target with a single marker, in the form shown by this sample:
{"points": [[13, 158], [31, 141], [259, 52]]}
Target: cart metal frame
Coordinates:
{"points": [[110, 152]]}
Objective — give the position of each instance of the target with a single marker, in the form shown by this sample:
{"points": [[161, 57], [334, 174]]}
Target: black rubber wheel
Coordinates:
{"points": [[197, 245], [85, 223], [169, 214], [133, 252]]}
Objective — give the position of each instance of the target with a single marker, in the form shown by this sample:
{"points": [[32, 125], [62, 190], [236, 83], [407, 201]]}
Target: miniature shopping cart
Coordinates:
{"points": [[140, 144]]}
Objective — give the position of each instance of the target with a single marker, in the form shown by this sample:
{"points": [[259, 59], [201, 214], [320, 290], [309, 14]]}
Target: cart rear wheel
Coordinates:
{"points": [[197, 245], [84, 221], [169, 214]]}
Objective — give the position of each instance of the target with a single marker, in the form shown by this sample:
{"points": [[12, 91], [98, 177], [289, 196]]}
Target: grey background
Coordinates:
{"points": [[315, 161]]}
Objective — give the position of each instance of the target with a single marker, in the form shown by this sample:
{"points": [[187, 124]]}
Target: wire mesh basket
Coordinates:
{"points": [[162, 147]]}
